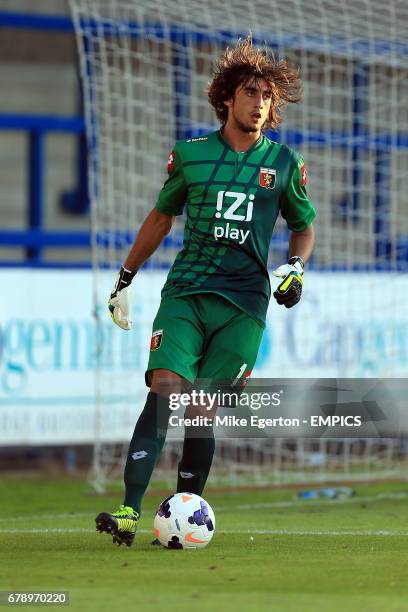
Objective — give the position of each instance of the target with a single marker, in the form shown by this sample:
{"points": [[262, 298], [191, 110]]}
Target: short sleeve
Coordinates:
{"points": [[296, 208], [173, 194]]}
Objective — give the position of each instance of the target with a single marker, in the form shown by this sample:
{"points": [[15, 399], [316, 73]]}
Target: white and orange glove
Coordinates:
{"points": [[119, 300]]}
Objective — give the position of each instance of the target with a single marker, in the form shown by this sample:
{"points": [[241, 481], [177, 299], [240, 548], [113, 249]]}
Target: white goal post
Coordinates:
{"points": [[145, 66]]}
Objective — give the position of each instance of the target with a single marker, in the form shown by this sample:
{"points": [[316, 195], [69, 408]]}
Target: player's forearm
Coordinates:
{"points": [[153, 230], [301, 243]]}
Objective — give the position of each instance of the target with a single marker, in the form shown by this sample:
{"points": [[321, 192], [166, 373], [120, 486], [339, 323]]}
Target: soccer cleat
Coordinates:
{"points": [[121, 524]]}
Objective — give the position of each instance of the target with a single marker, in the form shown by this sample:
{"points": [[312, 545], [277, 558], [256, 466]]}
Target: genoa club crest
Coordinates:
{"points": [[267, 178], [156, 340]]}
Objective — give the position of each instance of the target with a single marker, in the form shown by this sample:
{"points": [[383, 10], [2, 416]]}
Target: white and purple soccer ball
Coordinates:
{"points": [[184, 520]]}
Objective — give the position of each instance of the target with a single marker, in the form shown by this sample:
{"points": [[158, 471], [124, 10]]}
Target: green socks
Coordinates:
{"points": [[145, 448], [195, 464]]}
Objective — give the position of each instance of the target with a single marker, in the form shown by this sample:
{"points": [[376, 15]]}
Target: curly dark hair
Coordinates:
{"points": [[239, 65]]}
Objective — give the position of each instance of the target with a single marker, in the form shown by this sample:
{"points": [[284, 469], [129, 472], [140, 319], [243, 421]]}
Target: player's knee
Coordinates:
{"points": [[204, 408], [165, 382]]}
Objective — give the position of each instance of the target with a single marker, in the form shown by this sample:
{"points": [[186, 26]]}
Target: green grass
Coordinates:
{"points": [[323, 555]]}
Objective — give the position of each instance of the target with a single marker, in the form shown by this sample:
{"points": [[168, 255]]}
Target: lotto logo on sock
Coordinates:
{"points": [[186, 475], [139, 455]]}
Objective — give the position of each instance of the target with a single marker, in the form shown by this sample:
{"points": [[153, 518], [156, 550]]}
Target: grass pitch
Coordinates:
{"points": [[270, 551]]}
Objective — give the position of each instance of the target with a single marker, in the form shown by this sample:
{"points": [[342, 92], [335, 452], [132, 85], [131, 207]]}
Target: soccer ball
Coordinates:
{"points": [[184, 520]]}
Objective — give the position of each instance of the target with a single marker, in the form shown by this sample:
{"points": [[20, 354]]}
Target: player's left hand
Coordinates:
{"points": [[289, 291]]}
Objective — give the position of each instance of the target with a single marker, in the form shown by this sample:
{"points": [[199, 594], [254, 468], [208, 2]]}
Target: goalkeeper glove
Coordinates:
{"points": [[119, 300], [290, 289]]}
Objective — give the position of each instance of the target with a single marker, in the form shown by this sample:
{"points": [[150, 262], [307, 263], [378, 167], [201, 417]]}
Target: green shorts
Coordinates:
{"points": [[204, 336]]}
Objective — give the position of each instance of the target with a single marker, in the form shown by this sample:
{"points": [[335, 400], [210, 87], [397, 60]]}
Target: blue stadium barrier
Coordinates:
{"points": [[35, 237]]}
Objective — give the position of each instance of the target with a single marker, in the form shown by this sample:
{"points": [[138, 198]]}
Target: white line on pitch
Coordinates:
{"points": [[50, 530], [370, 532], [46, 517], [279, 504], [249, 532], [317, 502]]}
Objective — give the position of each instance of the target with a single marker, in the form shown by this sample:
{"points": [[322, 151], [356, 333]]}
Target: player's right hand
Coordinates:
{"points": [[119, 300]]}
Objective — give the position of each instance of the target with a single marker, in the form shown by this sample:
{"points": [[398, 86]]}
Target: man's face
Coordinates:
{"points": [[249, 108]]}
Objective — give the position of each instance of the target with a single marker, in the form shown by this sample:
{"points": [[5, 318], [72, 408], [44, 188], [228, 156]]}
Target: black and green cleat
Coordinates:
{"points": [[121, 524]]}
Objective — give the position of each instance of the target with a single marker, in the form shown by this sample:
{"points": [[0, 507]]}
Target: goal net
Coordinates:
{"points": [[145, 66]]}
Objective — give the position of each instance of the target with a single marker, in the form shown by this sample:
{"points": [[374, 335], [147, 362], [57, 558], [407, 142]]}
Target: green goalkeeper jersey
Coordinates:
{"points": [[232, 202]]}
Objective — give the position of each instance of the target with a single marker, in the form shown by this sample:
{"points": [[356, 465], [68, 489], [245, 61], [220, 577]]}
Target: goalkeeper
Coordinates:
{"points": [[232, 184]]}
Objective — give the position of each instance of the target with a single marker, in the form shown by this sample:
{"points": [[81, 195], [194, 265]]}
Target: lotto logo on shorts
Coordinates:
{"points": [[245, 380], [156, 340]]}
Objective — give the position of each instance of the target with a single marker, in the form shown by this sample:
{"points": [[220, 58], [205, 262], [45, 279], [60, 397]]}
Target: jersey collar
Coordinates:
{"points": [[256, 144]]}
